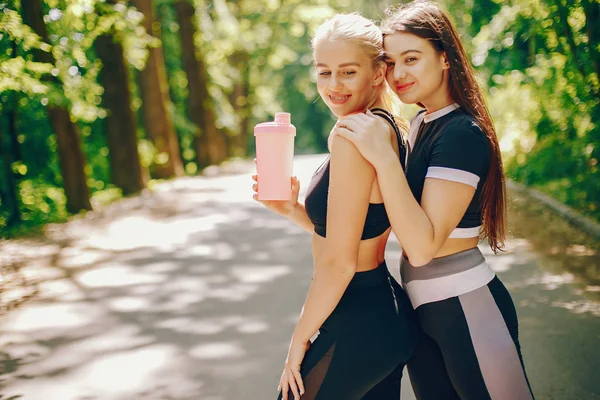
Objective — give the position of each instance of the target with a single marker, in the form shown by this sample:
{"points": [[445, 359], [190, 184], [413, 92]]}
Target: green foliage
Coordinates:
{"points": [[540, 62], [27, 88], [16, 73], [537, 59]]}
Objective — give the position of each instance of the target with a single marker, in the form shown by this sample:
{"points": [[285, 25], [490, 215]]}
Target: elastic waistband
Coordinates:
{"points": [[368, 279], [445, 277], [442, 266]]}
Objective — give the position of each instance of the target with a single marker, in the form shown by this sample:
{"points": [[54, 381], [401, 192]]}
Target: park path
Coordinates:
{"points": [[192, 292]]}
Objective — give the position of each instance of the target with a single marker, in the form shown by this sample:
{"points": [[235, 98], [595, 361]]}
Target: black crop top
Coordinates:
{"points": [[377, 221], [449, 144]]}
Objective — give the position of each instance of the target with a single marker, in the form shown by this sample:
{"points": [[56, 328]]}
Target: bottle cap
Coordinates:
{"points": [[281, 125]]}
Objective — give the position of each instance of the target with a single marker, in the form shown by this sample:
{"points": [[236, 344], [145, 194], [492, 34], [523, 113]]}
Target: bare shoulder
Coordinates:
{"points": [[345, 153]]}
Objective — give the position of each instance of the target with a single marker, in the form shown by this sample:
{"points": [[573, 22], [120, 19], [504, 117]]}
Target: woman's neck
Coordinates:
{"points": [[376, 102], [438, 105], [440, 98]]}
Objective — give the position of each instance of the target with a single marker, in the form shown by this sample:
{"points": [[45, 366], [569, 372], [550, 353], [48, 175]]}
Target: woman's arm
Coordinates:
{"points": [[290, 209], [422, 229], [298, 216], [350, 182]]}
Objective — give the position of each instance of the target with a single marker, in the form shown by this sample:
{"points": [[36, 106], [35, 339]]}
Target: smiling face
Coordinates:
{"points": [[346, 79], [416, 71]]}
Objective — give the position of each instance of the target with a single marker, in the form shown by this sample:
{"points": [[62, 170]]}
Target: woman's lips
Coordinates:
{"points": [[338, 99], [405, 87]]}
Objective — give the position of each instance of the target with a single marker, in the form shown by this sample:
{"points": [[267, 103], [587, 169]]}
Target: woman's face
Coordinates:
{"points": [[415, 70], [346, 80]]}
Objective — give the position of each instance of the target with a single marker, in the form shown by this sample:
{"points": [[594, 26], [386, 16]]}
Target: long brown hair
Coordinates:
{"points": [[426, 20]]}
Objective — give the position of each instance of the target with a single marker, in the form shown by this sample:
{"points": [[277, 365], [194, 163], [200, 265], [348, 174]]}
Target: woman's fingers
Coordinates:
{"points": [[255, 187], [346, 134], [284, 387], [351, 124], [363, 117], [295, 185], [292, 382], [299, 381], [355, 120], [369, 113]]}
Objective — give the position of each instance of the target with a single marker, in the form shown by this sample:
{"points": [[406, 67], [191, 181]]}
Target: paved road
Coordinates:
{"points": [[192, 292]]}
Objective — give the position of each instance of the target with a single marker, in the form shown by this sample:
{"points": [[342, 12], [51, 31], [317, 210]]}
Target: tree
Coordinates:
{"points": [[71, 156], [8, 185], [210, 144], [121, 128], [158, 122], [238, 98]]}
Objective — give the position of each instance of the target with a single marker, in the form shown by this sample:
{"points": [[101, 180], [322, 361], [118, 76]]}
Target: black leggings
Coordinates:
{"points": [[469, 348], [364, 344]]}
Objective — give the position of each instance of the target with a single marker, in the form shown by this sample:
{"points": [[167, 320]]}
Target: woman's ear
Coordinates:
{"points": [[445, 63], [380, 75]]}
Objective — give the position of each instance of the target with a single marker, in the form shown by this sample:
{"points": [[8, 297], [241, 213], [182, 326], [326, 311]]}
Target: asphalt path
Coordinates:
{"points": [[192, 292]]}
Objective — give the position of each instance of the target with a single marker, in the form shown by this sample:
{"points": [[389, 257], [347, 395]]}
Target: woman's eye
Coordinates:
{"points": [[390, 64], [410, 59], [324, 73], [349, 72]]}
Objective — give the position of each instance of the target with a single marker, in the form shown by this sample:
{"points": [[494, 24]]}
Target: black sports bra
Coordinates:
{"points": [[377, 221]]}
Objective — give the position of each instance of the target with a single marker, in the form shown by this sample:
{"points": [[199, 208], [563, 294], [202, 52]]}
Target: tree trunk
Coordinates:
{"points": [[126, 171], [239, 101], [563, 29], [154, 91], [13, 140], [210, 144], [8, 185], [71, 157], [592, 28]]}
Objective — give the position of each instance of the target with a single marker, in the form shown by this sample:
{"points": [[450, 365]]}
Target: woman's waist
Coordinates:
{"points": [[456, 245], [446, 276], [452, 246], [371, 252], [440, 266], [371, 278]]}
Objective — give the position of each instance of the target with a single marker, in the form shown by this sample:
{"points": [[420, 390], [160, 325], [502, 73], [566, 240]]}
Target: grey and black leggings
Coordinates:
{"points": [[364, 344], [469, 346]]}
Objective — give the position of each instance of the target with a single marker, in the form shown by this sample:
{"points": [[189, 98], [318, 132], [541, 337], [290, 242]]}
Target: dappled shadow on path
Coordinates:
{"points": [[192, 292], [177, 298], [564, 250]]}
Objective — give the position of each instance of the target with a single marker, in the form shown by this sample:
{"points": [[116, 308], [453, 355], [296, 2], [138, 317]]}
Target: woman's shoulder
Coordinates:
{"points": [[463, 127]]}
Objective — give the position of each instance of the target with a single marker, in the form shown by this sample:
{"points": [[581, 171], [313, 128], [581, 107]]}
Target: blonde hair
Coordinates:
{"points": [[365, 33]]}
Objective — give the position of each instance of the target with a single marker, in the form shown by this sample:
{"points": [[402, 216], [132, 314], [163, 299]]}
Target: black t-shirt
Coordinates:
{"points": [[449, 144]]}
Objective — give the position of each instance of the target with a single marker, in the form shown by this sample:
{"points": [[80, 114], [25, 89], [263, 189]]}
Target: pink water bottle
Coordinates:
{"points": [[274, 157]]}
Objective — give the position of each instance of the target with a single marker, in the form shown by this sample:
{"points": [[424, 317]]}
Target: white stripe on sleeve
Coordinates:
{"points": [[452, 174]]}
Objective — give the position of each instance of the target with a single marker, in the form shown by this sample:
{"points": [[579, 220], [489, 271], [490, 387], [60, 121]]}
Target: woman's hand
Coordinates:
{"points": [[281, 207], [369, 133], [291, 379]]}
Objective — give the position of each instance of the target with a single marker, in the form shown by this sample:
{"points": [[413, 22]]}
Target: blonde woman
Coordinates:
{"points": [[365, 322]]}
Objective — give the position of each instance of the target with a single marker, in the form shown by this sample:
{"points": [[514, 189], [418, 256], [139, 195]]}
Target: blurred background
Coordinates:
{"points": [[184, 288], [101, 99]]}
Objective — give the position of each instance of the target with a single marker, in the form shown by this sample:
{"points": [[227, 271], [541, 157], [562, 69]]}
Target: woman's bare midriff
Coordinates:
{"points": [[371, 252], [453, 246]]}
